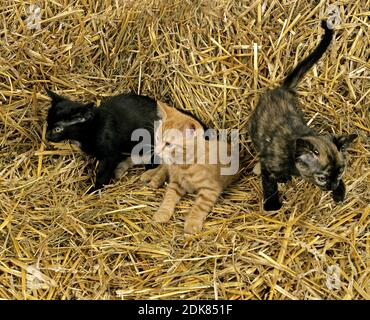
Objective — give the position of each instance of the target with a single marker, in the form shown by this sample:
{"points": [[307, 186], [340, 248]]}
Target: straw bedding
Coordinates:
{"points": [[212, 58]]}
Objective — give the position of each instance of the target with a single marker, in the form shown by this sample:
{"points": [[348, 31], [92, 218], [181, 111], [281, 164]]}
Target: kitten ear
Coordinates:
{"points": [[191, 128], [304, 151], [164, 109], [303, 146], [343, 142], [54, 96]]}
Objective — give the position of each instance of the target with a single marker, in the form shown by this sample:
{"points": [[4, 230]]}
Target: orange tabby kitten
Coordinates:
{"points": [[201, 176]]}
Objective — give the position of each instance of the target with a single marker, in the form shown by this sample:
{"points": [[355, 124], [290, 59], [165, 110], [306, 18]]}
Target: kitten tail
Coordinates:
{"points": [[292, 80]]}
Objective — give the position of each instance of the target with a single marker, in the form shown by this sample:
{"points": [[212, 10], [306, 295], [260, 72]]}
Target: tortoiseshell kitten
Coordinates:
{"points": [[287, 146], [103, 132]]}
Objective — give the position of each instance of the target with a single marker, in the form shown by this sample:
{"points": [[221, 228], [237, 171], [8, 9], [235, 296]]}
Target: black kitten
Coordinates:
{"points": [[287, 146], [103, 132]]}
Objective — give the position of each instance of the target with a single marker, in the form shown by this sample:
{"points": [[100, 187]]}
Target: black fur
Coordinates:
{"points": [[103, 132], [292, 80]]}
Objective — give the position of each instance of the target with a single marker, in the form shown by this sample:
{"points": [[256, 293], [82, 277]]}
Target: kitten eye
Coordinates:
{"points": [[320, 179], [57, 129], [167, 144], [316, 152]]}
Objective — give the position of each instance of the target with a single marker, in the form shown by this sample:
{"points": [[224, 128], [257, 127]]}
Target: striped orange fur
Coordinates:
{"points": [[205, 180]]}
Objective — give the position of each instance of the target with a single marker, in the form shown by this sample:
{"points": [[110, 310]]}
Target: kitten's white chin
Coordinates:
{"points": [[168, 160], [164, 158]]}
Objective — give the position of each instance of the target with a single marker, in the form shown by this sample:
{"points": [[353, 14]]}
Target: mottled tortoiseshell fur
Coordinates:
{"points": [[287, 146]]}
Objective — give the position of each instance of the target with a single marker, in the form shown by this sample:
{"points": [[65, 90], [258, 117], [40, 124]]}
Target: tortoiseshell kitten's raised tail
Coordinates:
{"points": [[103, 132], [287, 146]]}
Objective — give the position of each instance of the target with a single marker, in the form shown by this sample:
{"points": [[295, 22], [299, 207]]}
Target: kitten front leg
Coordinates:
{"points": [[148, 175], [172, 196], [105, 172], [203, 205], [155, 177], [270, 192], [285, 179], [339, 193]]}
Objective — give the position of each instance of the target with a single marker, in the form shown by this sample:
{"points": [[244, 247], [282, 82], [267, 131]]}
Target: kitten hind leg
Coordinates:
{"points": [[270, 192], [172, 196], [339, 193], [122, 167], [203, 205]]}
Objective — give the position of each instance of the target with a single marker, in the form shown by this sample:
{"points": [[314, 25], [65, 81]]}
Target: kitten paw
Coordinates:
{"points": [[162, 215], [122, 167], [119, 172], [272, 205], [147, 176], [155, 184], [257, 169], [91, 190], [338, 197], [94, 188], [339, 193], [153, 178], [285, 179], [193, 226]]}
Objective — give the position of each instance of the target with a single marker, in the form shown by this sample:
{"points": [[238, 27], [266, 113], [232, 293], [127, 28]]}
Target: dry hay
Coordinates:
{"points": [[212, 58]]}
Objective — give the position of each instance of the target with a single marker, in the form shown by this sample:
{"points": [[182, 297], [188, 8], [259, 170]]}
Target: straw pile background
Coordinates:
{"points": [[213, 58]]}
